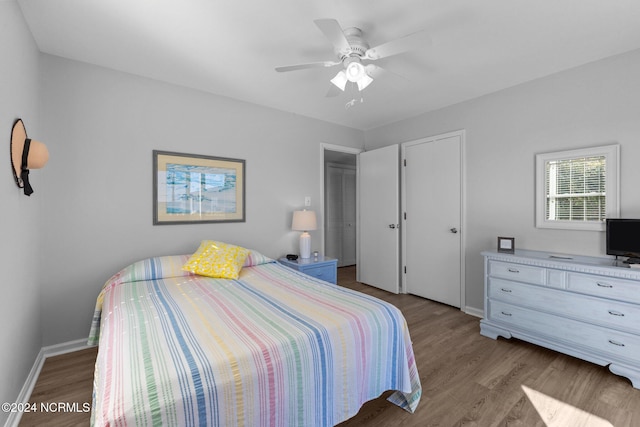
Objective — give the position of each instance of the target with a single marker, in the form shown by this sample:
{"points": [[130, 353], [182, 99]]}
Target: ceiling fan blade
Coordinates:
{"points": [[412, 41], [321, 64], [375, 71], [333, 31]]}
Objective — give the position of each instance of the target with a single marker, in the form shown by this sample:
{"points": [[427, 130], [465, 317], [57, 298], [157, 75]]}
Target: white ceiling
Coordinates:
{"points": [[230, 47]]}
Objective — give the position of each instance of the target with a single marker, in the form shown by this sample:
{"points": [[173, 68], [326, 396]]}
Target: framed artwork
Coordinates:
{"points": [[506, 245], [190, 188]]}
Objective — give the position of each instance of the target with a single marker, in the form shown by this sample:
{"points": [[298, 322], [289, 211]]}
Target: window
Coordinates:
{"points": [[577, 189]]}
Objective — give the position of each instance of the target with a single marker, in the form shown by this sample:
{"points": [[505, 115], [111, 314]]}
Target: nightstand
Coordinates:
{"points": [[323, 268]]}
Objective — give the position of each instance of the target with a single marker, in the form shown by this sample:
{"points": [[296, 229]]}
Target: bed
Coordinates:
{"points": [[273, 347]]}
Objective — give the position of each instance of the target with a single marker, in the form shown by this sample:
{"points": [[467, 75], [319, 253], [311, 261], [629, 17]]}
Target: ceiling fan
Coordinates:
{"points": [[353, 52]]}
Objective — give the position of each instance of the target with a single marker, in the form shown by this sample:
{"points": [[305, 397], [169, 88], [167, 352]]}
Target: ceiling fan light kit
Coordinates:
{"points": [[351, 48], [354, 72]]}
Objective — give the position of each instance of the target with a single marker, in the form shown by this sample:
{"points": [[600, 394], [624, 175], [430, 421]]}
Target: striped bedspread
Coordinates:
{"points": [[273, 348]]}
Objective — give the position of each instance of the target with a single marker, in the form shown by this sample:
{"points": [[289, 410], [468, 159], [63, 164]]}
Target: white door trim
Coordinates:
{"points": [[463, 219]]}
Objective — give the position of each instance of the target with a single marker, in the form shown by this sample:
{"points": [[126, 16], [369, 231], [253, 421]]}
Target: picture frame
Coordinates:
{"points": [[193, 189], [506, 245]]}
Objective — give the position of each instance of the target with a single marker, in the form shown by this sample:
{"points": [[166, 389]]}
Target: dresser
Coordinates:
{"points": [[586, 307], [321, 267]]}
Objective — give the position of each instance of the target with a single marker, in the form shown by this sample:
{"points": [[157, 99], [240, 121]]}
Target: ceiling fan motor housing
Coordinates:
{"points": [[357, 45]]}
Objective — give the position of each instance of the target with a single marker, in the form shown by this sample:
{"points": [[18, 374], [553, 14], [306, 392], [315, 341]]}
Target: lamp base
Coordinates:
{"points": [[305, 245]]}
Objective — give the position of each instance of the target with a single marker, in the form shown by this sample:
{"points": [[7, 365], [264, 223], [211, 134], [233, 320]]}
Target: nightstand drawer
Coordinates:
{"points": [[322, 268], [326, 273]]}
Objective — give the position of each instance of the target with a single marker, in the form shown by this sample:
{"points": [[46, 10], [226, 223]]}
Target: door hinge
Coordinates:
{"points": [[405, 216], [405, 162], [405, 269]]}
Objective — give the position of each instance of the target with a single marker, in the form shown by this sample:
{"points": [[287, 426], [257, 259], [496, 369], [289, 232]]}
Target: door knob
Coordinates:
{"points": [[392, 226], [454, 230]]}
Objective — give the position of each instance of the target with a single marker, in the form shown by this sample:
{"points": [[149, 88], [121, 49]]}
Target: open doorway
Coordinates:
{"points": [[339, 169]]}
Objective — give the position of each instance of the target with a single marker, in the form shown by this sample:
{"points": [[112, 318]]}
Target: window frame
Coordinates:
{"points": [[612, 186]]}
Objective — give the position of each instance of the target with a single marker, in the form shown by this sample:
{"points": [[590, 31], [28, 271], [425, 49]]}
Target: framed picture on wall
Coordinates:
{"points": [[506, 245], [190, 188]]}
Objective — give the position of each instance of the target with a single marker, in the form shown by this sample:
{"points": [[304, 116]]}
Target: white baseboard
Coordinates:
{"points": [[27, 388], [32, 378], [474, 311], [65, 347]]}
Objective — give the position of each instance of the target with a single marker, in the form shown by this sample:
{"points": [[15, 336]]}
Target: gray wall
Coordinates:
{"points": [[21, 332], [592, 105], [101, 127]]}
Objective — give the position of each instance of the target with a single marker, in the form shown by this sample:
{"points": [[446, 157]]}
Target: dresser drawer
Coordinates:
{"points": [[519, 272], [567, 331], [607, 287], [610, 313]]}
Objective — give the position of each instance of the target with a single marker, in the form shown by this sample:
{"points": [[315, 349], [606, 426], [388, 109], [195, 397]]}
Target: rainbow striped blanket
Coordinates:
{"points": [[273, 348]]}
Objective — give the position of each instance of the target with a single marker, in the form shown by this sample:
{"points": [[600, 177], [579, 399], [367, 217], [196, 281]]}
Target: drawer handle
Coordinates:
{"points": [[604, 285], [513, 270], [619, 344], [507, 314], [505, 290], [616, 313]]}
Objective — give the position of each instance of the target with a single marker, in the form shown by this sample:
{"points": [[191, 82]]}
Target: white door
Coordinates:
{"points": [[379, 238], [340, 212], [432, 227]]}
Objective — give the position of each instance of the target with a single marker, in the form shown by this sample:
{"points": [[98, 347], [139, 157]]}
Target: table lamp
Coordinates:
{"points": [[304, 221]]}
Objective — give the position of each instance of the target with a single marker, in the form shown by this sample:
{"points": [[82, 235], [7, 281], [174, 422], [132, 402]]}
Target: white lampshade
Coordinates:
{"points": [[304, 221]]}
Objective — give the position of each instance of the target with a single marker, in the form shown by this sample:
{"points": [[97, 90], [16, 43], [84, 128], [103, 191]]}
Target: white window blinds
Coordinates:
{"points": [[576, 189]]}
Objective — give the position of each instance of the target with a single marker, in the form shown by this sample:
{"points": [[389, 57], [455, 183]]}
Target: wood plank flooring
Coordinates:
{"points": [[67, 378], [467, 379]]}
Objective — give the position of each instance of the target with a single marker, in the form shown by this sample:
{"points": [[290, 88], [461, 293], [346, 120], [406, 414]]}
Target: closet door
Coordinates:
{"points": [[432, 232]]}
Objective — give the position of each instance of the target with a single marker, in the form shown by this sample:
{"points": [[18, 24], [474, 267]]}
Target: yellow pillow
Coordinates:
{"points": [[217, 259]]}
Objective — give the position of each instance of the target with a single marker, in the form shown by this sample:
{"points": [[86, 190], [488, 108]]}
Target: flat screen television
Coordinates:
{"points": [[623, 238]]}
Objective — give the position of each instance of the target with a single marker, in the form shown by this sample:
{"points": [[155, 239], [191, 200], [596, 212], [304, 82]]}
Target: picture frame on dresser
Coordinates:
{"points": [[506, 245]]}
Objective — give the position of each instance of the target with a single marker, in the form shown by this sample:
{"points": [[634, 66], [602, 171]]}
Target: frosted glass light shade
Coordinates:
{"points": [[340, 80], [364, 81], [355, 71]]}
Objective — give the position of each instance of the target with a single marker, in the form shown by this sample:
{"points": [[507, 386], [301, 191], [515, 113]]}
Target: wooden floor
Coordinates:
{"points": [[467, 379]]}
